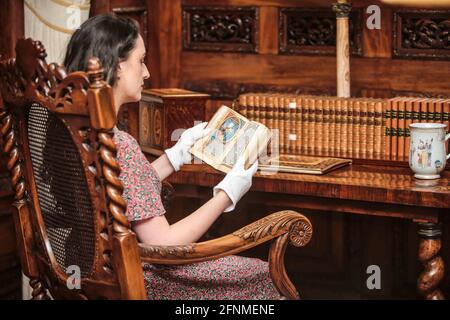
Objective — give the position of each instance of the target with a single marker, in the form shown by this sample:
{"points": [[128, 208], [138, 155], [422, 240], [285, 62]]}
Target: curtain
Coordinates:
{"points": [[53, 22]]}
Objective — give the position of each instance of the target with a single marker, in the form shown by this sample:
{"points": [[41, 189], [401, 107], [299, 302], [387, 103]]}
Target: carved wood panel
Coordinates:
{"points": [[232, 29], [313, 31], [422, 34]]}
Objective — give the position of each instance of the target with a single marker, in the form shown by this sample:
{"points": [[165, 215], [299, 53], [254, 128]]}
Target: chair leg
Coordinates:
{"points": [[278, 271]]}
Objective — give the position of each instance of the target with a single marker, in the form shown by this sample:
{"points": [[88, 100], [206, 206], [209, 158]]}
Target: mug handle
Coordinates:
{"points": [[446, 138]]}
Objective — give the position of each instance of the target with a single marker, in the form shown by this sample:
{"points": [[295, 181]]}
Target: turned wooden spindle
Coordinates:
{"points": [[433, 273], [342, 9]]}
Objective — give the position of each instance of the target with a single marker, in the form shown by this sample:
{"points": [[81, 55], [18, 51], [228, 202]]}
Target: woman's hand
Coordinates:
{"points": [[237, 182], [179, 154]]}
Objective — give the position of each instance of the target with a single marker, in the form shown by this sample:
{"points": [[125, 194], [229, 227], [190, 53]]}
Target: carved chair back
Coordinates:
{"points": [[68, 211]]}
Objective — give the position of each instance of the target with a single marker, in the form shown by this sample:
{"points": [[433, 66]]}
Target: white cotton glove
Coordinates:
{"points": [[237, 182], [179, 154]]}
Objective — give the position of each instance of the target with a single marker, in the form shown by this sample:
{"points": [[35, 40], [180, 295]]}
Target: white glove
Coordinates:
{"points": [[237, 182], [179, 154]]}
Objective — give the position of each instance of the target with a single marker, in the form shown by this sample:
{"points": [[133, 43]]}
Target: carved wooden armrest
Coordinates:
{"points": [[282, 225], [290, 223]]}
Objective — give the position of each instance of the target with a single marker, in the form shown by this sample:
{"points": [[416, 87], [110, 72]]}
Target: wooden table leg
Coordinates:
{"points": [[429, 246]]}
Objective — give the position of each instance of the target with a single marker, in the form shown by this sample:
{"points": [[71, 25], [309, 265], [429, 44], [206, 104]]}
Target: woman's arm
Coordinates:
{"points": [[157, 231], [163, 167]]}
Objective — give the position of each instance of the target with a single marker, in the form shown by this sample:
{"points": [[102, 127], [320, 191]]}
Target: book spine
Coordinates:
{"points": [[250, 106], [263, 109], [332, 127], [378, 125], [326, 126], [277, 115], [408, 121], [298, 125], [357, 129], [276, 119], [431, 110], [292, 133], [338, 128], [243, 105], [394, 129], [416, 110], [350, 128], [257, 108], [363, 127], [387, 124], [438, 110], [312, 126], [281, 121], [287, 124], [370, 129], [401, 128], [344, 128], [305, 127], [423, 110], [267, 101], [319, 126]]}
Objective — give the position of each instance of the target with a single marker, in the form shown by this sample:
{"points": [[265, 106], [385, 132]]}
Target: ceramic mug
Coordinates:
{"points": [[427, 155]]}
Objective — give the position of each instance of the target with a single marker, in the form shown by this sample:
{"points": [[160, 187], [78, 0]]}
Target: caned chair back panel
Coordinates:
{"points": [[62, 190], [69, 210]]}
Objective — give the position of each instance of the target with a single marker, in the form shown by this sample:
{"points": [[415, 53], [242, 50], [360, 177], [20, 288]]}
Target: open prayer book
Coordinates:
{"points": [[302, 164], [231, 137]]}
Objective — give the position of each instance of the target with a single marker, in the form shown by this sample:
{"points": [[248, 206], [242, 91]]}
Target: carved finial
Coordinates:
{"points": [[342, 9], [42, 54], [95, 72]]}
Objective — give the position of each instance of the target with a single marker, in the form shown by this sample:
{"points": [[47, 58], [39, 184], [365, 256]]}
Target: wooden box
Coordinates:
{"points": [[163, 113]]}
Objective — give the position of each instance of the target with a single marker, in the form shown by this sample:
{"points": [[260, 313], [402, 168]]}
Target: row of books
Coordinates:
{"points": [[341, 127], [401, 112]]}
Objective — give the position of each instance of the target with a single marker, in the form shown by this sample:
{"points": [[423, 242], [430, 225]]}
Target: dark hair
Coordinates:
{"points": [[107, 37]]}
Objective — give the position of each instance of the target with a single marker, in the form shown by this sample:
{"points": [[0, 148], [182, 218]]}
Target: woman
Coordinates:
{"points": [[118, 44]]}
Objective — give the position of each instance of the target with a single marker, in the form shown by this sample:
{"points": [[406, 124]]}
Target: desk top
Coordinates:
{"points": [[371, 183]]}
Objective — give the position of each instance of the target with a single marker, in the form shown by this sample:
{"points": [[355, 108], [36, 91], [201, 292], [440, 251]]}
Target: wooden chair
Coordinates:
{"points": [[69, 210]]}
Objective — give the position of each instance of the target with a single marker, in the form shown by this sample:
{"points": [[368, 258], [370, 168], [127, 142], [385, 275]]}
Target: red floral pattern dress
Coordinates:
{"points": [[232, 277]]}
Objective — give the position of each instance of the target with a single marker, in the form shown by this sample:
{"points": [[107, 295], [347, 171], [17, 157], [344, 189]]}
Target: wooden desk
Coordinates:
{"points": [[358, 189]]}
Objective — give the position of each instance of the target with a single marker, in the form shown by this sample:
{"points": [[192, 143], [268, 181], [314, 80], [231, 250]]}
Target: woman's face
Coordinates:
{"points": [[131, 75]]}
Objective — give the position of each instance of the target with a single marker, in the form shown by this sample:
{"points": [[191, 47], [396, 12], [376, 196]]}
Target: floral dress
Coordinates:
{"points": [[232, 277]]}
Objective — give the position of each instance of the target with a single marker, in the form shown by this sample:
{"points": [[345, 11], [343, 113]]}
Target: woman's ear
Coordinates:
{"points": [[119, 70]]}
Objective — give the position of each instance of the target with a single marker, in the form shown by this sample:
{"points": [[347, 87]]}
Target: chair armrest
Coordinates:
{"points": [[293, 225]]}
